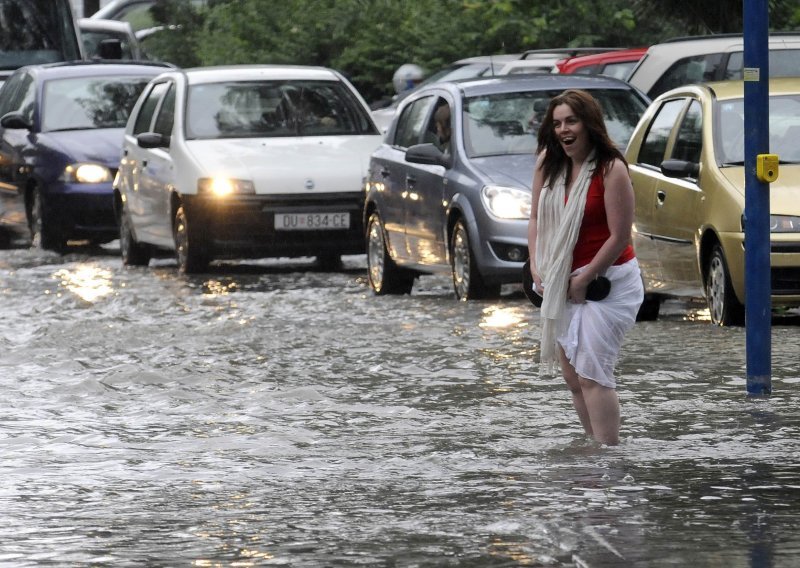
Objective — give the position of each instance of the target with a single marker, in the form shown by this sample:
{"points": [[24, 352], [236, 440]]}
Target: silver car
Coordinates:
{"points": [[463, 206]]}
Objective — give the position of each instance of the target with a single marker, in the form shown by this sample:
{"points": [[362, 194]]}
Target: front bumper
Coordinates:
{"points": [[244, 225], [503, 249], [784, 266], [83, 211]]}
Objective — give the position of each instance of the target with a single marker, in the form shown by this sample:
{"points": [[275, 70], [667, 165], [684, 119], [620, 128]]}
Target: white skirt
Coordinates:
{"points": [[592, 333]]}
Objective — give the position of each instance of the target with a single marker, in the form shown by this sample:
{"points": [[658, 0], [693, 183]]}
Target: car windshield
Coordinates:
{"points": [[90, 102], [508, 123], [273, 109], [784, 129]]}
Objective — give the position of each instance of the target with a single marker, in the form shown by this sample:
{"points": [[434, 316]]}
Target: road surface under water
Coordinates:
{"points": [[270, 413]]}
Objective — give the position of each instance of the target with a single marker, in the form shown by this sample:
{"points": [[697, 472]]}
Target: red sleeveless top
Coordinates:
{"points": [[594, 228]]}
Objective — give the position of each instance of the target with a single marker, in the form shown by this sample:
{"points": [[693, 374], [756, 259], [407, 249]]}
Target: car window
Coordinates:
{"points": [[274, 109], [622, 110], [166, 114], [619, 70], [587, 70], [784, 129], [92, 38], [148, 108], [503, 123], [17, 89], [782, 63], [89, 102], [695, 69], [411, 122], [689, 141], [655, 142]]}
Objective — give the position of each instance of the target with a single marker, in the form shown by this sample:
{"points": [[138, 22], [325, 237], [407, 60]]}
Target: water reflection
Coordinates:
{"points": [[499, 317], [89, 282]]}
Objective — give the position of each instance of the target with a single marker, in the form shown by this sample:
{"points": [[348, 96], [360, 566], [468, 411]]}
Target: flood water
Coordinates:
{"points": [[272, 414]]}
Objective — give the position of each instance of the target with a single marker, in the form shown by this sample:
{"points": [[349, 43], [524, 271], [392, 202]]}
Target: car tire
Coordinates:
{"points": [[189, 245], [384, 276], [467, 280], [133, 253], [44, 234], [724, 307]]}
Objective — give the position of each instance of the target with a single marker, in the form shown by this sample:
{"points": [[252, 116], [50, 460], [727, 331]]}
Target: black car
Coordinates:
{"points": [[61, 129], [464, 208]]}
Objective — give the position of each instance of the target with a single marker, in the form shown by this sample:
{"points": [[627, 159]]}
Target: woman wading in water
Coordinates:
{"points": [[580, 229]]}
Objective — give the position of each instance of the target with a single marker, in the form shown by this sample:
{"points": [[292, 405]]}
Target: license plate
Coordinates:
{"points": [[311, 221]]}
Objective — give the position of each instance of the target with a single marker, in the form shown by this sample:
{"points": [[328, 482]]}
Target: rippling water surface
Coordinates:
{"points": [[274, 414]]}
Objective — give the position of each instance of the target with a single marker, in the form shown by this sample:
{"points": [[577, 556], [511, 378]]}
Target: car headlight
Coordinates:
{"points": [[221, 187], [784, 224], [86, 173], [507, 202]]}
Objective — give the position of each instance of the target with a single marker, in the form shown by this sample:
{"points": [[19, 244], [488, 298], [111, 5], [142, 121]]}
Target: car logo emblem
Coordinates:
{"points": [[309, 184]]}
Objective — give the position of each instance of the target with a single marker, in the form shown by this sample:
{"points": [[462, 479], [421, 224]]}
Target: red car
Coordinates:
{"points": [[617, 63]]}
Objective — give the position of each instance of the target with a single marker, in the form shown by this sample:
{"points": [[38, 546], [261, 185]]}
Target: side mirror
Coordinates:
{"points": [[15, 120], [680, 169], [428, 154], [152, 140], [110, 49]]}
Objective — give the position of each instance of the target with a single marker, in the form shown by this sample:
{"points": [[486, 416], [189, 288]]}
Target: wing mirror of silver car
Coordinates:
{"points": [[428, 154], [152, 140], [680, 169]]}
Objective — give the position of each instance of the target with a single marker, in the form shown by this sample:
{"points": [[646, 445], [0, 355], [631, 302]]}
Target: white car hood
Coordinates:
{"points": [[318, 164]]}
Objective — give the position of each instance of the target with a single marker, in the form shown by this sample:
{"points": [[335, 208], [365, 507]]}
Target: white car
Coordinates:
{"points": [[244, 162]]}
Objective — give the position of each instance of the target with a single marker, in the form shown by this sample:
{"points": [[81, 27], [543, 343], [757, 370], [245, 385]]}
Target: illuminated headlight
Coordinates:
{"points": [[86, 173], [225, 186], [784, 224], [507, 202]]}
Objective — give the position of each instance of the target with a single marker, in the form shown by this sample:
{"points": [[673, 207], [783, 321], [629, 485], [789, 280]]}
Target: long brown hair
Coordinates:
{"points": [[588, 110]]}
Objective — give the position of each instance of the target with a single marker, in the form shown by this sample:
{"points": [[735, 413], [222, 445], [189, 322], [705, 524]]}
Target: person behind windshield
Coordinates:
{"points": [[580, 228]]}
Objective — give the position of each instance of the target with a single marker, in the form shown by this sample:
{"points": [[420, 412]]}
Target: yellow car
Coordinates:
{"points": [[686, 161]]}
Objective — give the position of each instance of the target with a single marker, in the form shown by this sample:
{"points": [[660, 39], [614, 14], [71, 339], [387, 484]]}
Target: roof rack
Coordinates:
{"points": [[717, 36], [565, 51]]}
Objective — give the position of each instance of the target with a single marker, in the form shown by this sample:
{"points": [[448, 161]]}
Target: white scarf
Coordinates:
{"points": [[558, 225]]}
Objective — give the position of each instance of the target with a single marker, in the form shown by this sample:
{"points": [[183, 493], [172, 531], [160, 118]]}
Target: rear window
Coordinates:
{"points": [[267, 109]]}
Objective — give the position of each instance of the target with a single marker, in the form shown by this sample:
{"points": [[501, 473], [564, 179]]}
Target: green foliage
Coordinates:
{"points": [[368, 40]]}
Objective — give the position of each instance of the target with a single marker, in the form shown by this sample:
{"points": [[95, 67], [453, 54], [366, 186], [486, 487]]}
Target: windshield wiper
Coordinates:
{"points": [[77, 128]]}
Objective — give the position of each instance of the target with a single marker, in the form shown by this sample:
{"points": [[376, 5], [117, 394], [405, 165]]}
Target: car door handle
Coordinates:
{"points": [[661, 196]]}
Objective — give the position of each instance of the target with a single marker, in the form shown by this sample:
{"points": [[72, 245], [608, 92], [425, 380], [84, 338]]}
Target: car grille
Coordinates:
{"points": [[785, 280]]}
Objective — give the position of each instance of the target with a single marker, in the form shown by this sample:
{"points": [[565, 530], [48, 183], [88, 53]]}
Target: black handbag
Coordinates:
{"points": [[598, 289]]}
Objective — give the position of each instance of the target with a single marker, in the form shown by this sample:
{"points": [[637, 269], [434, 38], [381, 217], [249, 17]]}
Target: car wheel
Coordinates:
{"points": [[188, 245], [385, 277], [467, 280], [723, 305], [133, 253], [44, 234]]}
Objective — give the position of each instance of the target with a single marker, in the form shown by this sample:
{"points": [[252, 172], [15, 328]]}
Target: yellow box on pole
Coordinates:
{"points": [[767, 167]]}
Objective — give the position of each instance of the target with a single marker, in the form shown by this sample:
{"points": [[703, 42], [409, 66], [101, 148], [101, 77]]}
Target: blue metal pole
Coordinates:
{"points": [[758, 310]]}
